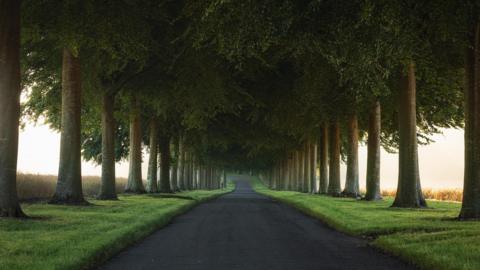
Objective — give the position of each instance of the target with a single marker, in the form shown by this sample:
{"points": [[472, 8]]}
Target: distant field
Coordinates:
{"points": [[37, 186], [430, 238], [454, 194]]}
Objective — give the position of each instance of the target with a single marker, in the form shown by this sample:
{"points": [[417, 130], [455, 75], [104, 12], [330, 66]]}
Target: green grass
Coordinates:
{"points": [[76, 237], [429, 238]]}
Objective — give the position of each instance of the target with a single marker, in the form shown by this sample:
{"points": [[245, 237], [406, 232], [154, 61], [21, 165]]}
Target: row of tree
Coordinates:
{"points": [[245, 85]]}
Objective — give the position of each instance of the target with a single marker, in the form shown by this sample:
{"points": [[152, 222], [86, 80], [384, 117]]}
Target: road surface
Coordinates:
{"points": [[245, 230]]}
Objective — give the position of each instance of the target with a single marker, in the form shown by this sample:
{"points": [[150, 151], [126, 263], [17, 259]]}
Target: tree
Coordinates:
{"points": [[471, 196], [152, 161], [69, 183], [10, 106], [334, 187], [352, 188], [373, 158], [135, 184]]}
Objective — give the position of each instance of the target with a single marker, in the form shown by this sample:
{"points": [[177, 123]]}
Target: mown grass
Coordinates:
{"points": [[430, 238], [78, 237]]}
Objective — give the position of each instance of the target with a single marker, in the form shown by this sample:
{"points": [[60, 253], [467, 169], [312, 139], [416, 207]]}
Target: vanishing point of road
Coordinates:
{"points": [[244, 230]]}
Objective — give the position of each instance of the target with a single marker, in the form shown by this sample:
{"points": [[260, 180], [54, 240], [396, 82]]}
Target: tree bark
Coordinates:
{"points": [[181, 164], [313, 167], [152, 186], [334, 188], [409, 193], [135, 184], [306, 167], [351, 184], [9, 106], [373, 158], [175, 186], [298, 171], [323, 149], [69, 184], [164, 143], [107, 188], [471, 188], [185, 169]]}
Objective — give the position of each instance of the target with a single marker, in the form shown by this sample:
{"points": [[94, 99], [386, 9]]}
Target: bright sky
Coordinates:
{"points": [[441, 163]]}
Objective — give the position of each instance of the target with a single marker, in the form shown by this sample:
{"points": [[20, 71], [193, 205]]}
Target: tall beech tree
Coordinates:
{"points": [[352, 188], [9, 106], [135, 184], [409, 192], [471, 195], [164, 146], [69, 183], [107, 189], [153, 155], [334, 187], [373, 191], [323, 159]]}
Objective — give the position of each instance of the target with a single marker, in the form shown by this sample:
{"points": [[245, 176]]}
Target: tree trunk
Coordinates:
{"points": [[9, 106], [351, 184], [69, 184], [334, 188], [181, 164], [323, 156], [185, 170], [409, 193], [176, 156], [306, 167], [224, 185], [471, 188], [135, 184], [373, 159], [313, 167], [107, 189], [298, 171], [164, 143], [152, 186]]}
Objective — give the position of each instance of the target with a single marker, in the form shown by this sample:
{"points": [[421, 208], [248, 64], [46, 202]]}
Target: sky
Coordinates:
{"points": [[441, 163]]}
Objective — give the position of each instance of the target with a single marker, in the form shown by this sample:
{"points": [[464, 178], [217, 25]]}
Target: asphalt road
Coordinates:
{"points": [[245, 230]]}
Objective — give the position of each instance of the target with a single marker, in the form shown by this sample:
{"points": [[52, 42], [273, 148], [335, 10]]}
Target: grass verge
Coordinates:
{"points": [[76, 237], [429, 238]]}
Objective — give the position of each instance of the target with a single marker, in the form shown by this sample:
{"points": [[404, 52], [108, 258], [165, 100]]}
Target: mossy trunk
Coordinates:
{"points": [[107, 188], [9, 106], [135, 184], [164, 184], [152, 186], [373, 156], [69, 184], [334, 188], [323, 160], [352, 183], [409, 193], [471, 189]]}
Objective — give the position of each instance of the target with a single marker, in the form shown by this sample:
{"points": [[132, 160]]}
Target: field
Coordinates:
{"points": [[77, 237], [36, 186], [430, 238]]}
